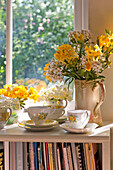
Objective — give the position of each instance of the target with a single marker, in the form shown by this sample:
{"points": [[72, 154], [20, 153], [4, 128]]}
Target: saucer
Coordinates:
{"points": [[89, 128], [29, 125]]}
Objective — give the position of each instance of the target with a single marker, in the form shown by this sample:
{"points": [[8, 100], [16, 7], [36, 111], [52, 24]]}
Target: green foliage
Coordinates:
{"points": [[38, 28]]}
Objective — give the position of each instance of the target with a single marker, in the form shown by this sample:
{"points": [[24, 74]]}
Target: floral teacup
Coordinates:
{"points": [[39, 114], [78, 118]]}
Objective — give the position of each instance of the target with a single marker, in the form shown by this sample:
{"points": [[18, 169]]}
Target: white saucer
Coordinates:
{"points": [[29, 125], [89, 128]]}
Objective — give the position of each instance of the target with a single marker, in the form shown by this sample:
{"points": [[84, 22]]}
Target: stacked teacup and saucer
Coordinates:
{"points": [[78, 122]]}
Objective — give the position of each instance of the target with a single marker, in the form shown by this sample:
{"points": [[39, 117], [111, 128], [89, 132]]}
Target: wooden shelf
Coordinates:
{"points": [[17, 134]]}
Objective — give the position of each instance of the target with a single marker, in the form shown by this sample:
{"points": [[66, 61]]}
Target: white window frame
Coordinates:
{"points": [[80, 23]]}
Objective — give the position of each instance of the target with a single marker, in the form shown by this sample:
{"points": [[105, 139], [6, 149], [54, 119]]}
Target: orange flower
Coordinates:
{"points": [[88, 66]]}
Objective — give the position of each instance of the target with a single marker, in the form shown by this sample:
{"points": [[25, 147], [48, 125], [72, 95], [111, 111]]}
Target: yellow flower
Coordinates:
{"points": [[63, 52], [88, 66], [81, 37]]}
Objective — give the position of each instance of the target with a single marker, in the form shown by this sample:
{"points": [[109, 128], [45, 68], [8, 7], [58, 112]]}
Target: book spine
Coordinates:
{"points": [[86, 146], [1, 156], [35, 155], [28, 160], [55, 155], [6, 155], [47, 156], [19, 155], [58, 155], [69, 157], [25, 155], [78, 156], [31, 156], [74, 156], [65, 158], [44, 153], [39, 158]]}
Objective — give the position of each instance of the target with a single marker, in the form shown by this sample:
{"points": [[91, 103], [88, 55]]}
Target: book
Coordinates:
{"points": [[74, 156], [6, 155], [28, 161], [78, 156], [55, 155], [47, 156], [59, 145], [58, 157], [39, 156], [31, 156], [44, 154], [50, 156], [65, 157], [69, 156], [82, 156], [25, 155], [1, 156], [91, 157], [35, 155], [19, 155], [12, 156], [95, 151], [86, 148]]}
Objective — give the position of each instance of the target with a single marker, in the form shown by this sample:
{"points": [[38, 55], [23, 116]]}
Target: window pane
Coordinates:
{"points": [[2, 42], [39, 27]]}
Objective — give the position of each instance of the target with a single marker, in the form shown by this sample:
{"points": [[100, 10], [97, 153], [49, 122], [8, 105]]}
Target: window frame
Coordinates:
{"points": [[80, 23]]}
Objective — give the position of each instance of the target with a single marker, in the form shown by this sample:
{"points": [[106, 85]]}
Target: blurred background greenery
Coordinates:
{"points": [[38, 28]]}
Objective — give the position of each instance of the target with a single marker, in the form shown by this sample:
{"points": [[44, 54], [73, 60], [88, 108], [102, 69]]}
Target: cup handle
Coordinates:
{"points": [[86, 117], [63, 112], [65, 104]]}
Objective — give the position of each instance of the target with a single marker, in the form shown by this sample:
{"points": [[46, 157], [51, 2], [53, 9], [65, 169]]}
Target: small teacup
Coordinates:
{"points": [[78, 118], [39, 114]]}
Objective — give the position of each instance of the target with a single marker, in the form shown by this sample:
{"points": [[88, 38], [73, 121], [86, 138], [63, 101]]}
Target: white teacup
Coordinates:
{"points": [[78, 118], [39, 114]]}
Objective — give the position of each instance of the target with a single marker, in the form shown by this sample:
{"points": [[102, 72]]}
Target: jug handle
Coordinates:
{"points": [[10, 112], [103, 92]]}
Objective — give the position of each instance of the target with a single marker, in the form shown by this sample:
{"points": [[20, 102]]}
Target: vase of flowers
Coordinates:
{"points": [[15, 96], [83, 60], [56, 96]]}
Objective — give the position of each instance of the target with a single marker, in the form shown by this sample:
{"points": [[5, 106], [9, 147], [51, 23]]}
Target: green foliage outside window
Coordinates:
{"points": [[38, 28]]}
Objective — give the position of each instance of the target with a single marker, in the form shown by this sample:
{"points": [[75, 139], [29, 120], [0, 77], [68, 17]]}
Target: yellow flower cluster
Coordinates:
{"points": [[92, 55], [65, 51], [21, 92], [81, 59]]}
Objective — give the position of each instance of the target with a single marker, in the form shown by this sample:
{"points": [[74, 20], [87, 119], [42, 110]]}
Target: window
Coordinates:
{"points": [[38, 28]]}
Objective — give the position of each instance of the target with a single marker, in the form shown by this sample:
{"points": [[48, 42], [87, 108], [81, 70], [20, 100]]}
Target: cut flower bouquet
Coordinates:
{"points": [[55, 92], [17, 95], [80, 58]]}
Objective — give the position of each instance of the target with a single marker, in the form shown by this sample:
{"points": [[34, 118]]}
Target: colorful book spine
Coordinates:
{"points": [[35, 155], [74, 156], [6, 155], [1, 156], [19, 155], [47, 156], [31, 156]]}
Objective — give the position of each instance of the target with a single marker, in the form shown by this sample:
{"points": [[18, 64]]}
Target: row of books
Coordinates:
{"points": [[51, 156]]}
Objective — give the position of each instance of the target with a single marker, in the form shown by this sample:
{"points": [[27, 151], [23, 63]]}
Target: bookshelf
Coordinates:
{"points": [[13, 133]]}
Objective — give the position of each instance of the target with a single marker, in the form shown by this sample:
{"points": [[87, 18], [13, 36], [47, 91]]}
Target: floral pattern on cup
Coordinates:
{"points": [[42, 115], [72, 118]]}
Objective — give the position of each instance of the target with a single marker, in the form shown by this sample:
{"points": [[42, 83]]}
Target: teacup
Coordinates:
{"points": [[78, 118], [5, 114], [39, 114]]}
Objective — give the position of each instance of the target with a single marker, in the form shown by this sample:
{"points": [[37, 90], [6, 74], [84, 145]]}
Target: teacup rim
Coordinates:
{"points": [[34, 107], [72, 111]]}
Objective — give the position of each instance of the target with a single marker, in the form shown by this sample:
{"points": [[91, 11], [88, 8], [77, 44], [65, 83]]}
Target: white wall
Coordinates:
{"points": [[101, 17]]}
